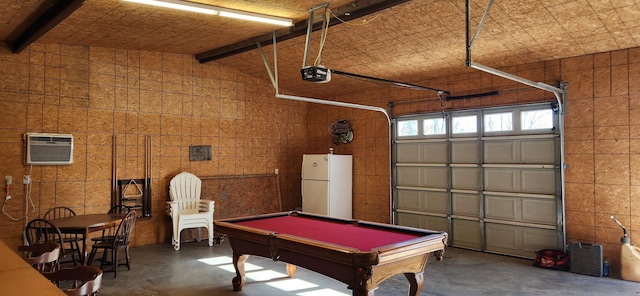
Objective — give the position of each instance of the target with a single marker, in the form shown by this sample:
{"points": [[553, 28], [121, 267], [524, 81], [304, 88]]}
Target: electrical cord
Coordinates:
{"points": [[364, 22], [28, 198], [323, 38]]}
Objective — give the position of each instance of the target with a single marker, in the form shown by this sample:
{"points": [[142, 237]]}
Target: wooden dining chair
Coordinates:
{"points": [[122, 209], [109, 233], [81, 280], [43, 257], [39, 231], [120, 241], [72, 240]]}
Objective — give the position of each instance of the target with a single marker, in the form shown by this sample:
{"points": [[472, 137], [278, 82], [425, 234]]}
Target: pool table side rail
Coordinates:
{"points": [[289, 213], [282, 241], [415, 247], [398, 228]]}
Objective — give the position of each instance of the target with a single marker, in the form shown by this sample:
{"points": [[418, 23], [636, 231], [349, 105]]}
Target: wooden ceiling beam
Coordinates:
{"points": [[347, 12], [39, 25]]}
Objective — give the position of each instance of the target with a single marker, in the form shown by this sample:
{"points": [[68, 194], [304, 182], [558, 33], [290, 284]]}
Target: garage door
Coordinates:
{"points": [[490, 177]]}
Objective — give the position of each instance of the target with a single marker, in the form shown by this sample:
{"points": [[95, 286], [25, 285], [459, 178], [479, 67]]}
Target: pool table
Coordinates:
{"points": [[357, 253]]}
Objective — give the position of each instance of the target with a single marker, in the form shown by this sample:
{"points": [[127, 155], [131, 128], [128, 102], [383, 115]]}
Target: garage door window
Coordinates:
{"points": [[434, 126], [498, 122], [536, 119]]}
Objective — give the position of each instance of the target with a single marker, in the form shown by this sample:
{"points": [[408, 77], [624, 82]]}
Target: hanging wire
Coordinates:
{"points": [[364, 22]]}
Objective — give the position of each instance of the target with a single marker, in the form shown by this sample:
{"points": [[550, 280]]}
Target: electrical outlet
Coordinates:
{"points": [[26, 179], [8, 180]]}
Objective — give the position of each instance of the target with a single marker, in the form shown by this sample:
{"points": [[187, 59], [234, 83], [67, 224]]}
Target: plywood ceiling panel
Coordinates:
{"points": [[412, 42]]}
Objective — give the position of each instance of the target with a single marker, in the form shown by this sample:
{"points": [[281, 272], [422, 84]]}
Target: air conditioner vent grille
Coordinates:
{"points": [[49, 149]]}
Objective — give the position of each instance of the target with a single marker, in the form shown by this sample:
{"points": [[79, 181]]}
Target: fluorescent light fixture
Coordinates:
{"points": [[255, 17], [214, 10], [181, 5]]}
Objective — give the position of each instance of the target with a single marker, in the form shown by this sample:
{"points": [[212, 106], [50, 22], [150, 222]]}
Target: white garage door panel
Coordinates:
{"points": [[408, 152], [423, 221], [541, 181], [464, 178], [432, 152], [502, 207], [518, 240], [526, 180], [435, 152], [466, 233], [521, 209], [434, 177], [428, 201], [538, 151], [500, 152], [465, 204], [408, 200], [500, 179], [408, 176], [501, 238], [535, 239], [410, 220], [465, 152], [437, 202], [435, 223], [539, 210]]}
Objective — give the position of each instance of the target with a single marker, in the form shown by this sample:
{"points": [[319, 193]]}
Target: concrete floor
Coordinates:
{"points": [[201, 270]]}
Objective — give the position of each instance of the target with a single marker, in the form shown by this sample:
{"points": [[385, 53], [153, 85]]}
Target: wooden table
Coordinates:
{"points": [[85, 224], [359, 254], [17, 277]]}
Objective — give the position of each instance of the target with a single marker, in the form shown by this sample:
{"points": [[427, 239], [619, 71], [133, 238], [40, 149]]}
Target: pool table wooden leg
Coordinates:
{"points": [[416, 280], [371, 292], [238, 264], [291, 270]]}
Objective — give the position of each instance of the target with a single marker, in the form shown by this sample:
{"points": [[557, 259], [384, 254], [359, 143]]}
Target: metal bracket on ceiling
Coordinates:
{"points": [[559, 92], [272, 77], [323, 33]]}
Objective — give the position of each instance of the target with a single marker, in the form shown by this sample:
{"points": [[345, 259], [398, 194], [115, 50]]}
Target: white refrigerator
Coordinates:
{"points": [[327, 184]]}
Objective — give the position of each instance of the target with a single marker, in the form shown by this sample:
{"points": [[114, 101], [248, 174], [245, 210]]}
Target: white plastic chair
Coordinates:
{"points": [[186, 208]]}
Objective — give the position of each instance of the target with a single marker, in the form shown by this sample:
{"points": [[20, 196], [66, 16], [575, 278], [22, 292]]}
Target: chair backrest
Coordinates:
{"points": [[86, 279], [39, 231], [185, 189], [58, 212], [43, 257], [123, 232], [122, 209]]}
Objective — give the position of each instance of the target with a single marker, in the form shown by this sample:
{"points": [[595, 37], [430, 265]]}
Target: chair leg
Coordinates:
{"points": [[175, 238], [126, 252], [104, 259], [210, 230], [92, 256], [115, 262], [77, 247]]}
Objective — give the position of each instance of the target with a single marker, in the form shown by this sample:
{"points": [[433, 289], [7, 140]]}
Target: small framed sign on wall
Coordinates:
{"points": [[200, 153]]}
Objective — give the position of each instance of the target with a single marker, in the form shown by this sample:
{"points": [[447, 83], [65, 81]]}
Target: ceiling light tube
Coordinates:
{"points": [[214, 10], [255, 17], [181, 5]]}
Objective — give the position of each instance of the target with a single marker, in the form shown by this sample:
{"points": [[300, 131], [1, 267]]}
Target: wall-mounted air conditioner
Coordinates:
{"points": [[49, 149]]}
